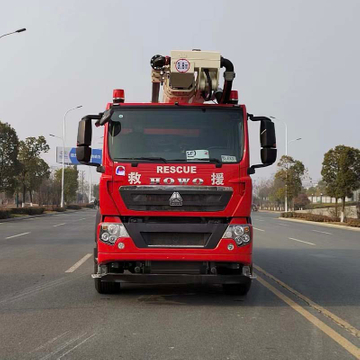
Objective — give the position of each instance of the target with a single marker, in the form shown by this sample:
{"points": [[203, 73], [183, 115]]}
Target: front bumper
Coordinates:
{"points": [[173, 278], [111, 253]]}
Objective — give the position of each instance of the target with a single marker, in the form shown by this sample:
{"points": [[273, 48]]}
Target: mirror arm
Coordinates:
{"points": [[258, 118], [99, 167], [92, 117], [251, 169], [104, 117]]}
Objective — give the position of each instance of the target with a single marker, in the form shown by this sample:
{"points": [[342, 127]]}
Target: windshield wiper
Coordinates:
{"points": [[143, 158], [210, 160]]}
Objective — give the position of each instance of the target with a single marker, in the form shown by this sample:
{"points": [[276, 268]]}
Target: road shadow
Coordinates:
{"points": [[193, 295]]}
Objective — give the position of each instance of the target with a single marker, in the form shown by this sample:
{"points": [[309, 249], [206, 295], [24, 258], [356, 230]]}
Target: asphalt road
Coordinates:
{"points": [[305, 303]]}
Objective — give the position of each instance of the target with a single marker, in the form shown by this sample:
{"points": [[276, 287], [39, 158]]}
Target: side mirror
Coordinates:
{"points": [[84, 133], [83, 149], [268, 152], [83, 154], [268, 156], [267, 134]]}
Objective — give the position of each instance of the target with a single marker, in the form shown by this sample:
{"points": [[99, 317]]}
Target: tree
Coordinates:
{"points": [[96, 191], [277, 192], [9, 166], [317, 189], [290, 175], [341, 172], [70, 182], [301, 201], [33, 169], [49, 192]]}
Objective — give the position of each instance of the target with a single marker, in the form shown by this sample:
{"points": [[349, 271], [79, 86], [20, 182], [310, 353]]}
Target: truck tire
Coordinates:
{"points": [[237, 289], [103, 287]]}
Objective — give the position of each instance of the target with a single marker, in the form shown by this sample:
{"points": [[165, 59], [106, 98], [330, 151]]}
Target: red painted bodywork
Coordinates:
{"points": [[238, 208]]}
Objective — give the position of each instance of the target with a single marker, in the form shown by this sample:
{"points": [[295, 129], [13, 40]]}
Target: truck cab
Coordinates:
{"points": [[175, 189]]}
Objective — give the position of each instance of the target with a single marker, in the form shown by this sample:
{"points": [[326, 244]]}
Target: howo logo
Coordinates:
{"points": [[175, 199], [180, 181]]}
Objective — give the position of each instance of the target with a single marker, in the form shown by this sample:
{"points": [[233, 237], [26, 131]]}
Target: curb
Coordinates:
{"points": [[344, 227], [41, 215]]}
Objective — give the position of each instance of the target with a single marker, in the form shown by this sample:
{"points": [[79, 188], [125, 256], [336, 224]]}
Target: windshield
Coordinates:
{"points": [[177, 134]]}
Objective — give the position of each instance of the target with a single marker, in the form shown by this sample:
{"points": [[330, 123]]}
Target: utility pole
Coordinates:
{"points": [[63, 154], [90, 185], [286, 153]]}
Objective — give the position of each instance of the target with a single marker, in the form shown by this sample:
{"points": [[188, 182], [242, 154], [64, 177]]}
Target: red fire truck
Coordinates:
{"points": [[175, 188]]}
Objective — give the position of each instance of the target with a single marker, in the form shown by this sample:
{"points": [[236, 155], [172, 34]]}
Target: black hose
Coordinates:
{"points": [[155, 92], [229, 76], [208, 97]]}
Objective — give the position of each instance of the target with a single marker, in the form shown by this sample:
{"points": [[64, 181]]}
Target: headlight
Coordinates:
{"points": [[238, 230], [240, 233], [113, 229], [110, 232], [105, 236]]}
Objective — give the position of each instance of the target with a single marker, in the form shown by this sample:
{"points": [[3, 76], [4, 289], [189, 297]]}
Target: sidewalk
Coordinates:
{"points": [[344, 227], [47, 214], [271, 211]]}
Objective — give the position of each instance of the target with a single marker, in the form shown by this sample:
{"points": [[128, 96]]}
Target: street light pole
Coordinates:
{"points": [[63, 154], [13, 32], [286, 153], [90, 184]]}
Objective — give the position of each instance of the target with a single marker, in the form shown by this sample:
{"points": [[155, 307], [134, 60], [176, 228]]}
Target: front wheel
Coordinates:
{"points": [[103, 287], [237, 289]]}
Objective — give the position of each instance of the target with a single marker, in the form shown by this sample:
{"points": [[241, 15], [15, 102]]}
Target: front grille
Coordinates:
{"points": [[175, 239], [194, 198]]}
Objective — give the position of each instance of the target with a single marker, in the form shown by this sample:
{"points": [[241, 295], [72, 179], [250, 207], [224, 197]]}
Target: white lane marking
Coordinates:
{"points": [[78, 264], [282, 224], [82, 342], [49, 342], [302, 241], [258, 229], [322, 232], [17, 235], [258, 219], [62, 347], [61, 224], [79, 219]]}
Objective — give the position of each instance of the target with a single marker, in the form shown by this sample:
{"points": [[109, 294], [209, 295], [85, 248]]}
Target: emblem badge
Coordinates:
{"points": [[175, 199], [120, 170]]}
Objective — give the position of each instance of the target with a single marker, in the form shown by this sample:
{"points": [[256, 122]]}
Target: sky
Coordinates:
{"points": [[296, 60]]}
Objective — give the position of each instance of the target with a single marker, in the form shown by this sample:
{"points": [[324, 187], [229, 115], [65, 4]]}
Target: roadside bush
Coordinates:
{"points": [[59, 209], [353, 222], [36, 211], [28, 211], [310, 217], [4, 214], [74, 207], [287, 215]]}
